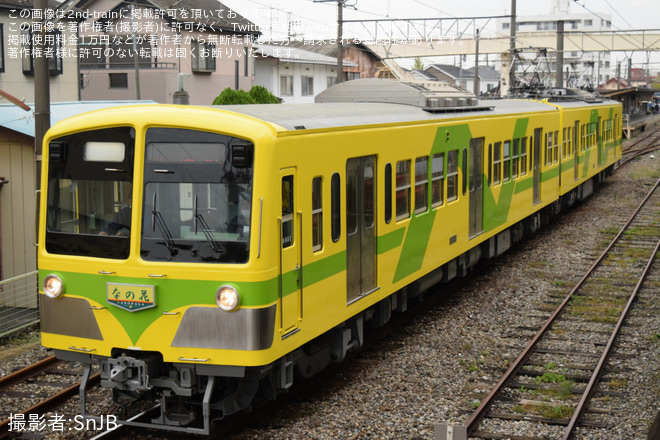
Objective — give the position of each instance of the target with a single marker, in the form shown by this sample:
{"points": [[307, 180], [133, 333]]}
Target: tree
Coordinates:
{"points": [[417, 64], [257, 95]]}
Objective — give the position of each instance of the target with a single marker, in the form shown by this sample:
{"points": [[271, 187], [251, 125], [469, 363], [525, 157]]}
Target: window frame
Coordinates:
{"points": [[437, 180], [421, 184], [317, 214], [452, 175], [403, 189], [195, 60]]}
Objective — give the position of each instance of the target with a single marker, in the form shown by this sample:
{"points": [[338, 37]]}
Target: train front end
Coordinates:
{"points": [[147, 259]]}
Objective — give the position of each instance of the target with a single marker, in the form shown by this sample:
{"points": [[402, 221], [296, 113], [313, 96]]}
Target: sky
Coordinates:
{"points": [[318, 18]]}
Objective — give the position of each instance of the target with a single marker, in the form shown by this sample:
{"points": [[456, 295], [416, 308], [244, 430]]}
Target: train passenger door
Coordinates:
{"points": [[360, 227], [599, 140], [536, 167], [476, 186], [290, 280], [576, 151]]}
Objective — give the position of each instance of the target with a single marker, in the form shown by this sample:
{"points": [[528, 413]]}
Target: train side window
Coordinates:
{"points": [[437, 179], [388, 193], [352, 198], [317, 214], [556, 148], [402, 189], [452, 175], [490, 164], [497, 163], [287, 211], [548, 148], [368, 199], [564, 146], [335, 207], [465, 170], [506, 163], [421, 184], [515, 158], [523, 156]]}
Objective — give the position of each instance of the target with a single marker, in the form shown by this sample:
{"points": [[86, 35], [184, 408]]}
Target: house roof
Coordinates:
{"points": [[422, 76], [486, 73], [295, 55], [451, 71], [22, 121]]}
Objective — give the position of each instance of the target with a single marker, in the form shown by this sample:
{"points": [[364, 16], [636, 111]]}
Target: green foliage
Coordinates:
{"points": [[257, 95], [230, 96], [417, 64], [261, 95]]}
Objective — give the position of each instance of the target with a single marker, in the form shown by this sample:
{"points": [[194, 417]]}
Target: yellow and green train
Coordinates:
{"points": [[205, 256]]}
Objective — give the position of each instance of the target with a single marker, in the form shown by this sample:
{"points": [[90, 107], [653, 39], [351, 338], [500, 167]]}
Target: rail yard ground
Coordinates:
{"points": [[438, 367]]}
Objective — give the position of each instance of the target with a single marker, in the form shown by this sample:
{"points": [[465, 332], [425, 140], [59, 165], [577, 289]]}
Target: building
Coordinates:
{"points": [[359, 61], [17, 53], [454, 75], [584, 68], [293, 74], [489, 79], [130, 52]]}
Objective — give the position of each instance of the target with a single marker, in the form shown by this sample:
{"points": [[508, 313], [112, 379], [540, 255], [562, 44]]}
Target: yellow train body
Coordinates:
{"points": [[419, 196]]}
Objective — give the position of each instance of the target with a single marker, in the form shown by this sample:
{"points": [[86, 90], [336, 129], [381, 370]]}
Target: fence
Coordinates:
{"points": [[19, 302]]}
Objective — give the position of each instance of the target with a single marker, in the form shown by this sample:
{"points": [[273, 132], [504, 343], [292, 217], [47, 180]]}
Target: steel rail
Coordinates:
{"points": [[30, 371], [586, 395], [481, 412], [48, 403]]}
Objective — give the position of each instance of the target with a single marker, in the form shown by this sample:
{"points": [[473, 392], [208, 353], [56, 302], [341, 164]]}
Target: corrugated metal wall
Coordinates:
{"points": [[18, 255]]}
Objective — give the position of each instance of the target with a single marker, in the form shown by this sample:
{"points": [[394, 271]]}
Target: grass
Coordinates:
{"points": [[597, 309], [562, 387], [545, 410], [618, 383]]}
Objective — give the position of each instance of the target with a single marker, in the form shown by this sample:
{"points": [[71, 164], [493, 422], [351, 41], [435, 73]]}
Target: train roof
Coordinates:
{"points": [[373, 101], [334, 115]]}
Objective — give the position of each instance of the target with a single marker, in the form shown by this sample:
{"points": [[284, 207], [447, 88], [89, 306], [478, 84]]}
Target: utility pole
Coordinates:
{"points": [[476, 65], [508, 71], [340, 32], [136, 61], [41, 88], [340, 45], [560, 55]]}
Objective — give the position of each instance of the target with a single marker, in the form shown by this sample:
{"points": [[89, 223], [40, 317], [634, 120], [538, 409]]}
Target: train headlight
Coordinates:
{"points": [[227, 298], [53, 286]]}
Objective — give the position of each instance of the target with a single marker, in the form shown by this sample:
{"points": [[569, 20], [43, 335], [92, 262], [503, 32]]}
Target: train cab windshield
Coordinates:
{"points": [[196, 204], [197, 197], [90, 177]]}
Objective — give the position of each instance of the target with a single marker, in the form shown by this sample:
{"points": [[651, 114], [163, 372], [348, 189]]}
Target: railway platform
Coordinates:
{"points": [[637, 123]]}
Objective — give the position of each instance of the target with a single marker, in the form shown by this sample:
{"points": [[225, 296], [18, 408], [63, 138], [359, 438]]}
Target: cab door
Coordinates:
{"points": [[290, 279]]}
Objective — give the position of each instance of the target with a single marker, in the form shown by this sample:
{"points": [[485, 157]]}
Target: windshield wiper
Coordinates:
{"points": [[198, 218], [157, 219]]}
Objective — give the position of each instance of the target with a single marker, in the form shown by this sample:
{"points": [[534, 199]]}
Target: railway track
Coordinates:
{"points": [[41, 387], [645, 144], [549, 387]]}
